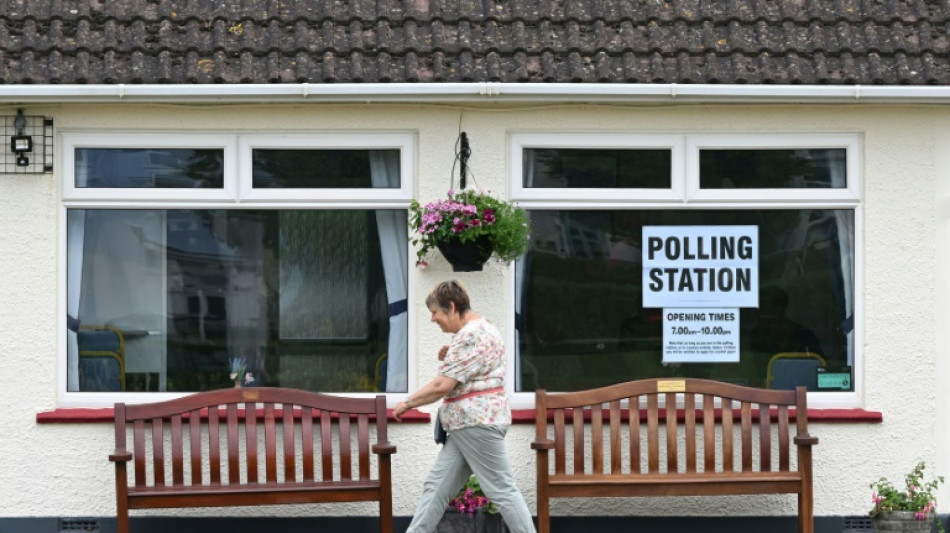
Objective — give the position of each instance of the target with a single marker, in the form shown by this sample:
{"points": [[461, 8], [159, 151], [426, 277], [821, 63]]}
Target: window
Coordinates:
{"points": [[190, 257], [581, 316]]}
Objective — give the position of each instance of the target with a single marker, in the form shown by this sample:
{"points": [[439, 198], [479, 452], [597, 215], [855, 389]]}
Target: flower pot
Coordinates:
{"points": [[466, 256], [902, 522], [481, 521]]}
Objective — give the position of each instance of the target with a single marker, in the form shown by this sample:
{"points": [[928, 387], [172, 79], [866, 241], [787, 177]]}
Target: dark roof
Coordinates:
{"points": [[841, 42]]}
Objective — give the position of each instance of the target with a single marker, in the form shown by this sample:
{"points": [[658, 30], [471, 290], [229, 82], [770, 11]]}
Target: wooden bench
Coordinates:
{"points": [[603, 449], [253, 446]]}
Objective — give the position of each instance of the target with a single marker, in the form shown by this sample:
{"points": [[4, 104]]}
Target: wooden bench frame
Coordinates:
{"points": [[580, 417], [299, 430]]}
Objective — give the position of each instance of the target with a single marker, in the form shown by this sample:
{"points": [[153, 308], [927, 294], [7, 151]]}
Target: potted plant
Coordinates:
{"points": [[468, 227], [471, 512], [908, 510]]}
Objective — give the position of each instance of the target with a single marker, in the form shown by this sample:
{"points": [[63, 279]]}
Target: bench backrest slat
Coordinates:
{"points": [[672, 450], [597, 429], [290, 464], [250, 444], [158, 452], [615, 436], [138, 448], [270, 443], [634, 431], [765, 438], [746, 418], [728, 451], [709, 433], [699, 432], [306, 430], [560, 465], [327, 450], [194, 439], [244, 425], [783, 451], [653, 434], [690, 399], [577, 416], [362, 434], [234, 458], [346, 466], [214, 445], [178, 454]]}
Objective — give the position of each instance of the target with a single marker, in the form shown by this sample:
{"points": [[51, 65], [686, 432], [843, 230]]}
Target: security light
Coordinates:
{"points": [[21, 144]]}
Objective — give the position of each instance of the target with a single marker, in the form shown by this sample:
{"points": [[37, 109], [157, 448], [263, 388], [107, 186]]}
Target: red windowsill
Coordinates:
{"points": [[519, 416]]}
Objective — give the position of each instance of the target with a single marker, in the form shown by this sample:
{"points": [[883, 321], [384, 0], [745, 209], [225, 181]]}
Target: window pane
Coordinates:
{"points": [[772, 169], [603, 169], [149, 168], [322, 169], [174, 296], [581, 320]]}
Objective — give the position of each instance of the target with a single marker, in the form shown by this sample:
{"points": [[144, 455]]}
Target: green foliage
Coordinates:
{"points": [[919, 497], [465, 216]]}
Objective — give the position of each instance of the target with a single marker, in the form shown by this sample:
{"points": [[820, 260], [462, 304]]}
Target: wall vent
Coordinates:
{"points": [[78, 524], [857, 524]]}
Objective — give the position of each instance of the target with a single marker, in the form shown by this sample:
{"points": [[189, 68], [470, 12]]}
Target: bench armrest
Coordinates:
{"points": [[384, 448], [805, 440], [545, 444], [120, 456]]}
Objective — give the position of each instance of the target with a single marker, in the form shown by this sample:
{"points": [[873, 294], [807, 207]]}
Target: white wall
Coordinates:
{"points": [[47, 470]]}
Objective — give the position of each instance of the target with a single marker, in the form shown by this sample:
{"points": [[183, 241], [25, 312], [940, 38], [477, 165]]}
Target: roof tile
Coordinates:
{"points": [[435, 41]]}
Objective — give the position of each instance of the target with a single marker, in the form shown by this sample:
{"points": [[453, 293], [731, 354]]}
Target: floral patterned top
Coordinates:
{"points": [[476, 359]]}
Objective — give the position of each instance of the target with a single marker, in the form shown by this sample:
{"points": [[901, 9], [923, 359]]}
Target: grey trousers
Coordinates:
{"points": [[476, 450]]}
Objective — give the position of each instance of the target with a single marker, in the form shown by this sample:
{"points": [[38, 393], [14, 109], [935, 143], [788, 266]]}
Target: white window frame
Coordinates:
{"points": [[327, 141], [685, 193], [602, 141], [78, 140], [236, 193]]}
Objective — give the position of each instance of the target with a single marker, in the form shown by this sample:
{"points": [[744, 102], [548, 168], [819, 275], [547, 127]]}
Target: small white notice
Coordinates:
{"points": [[701, 335]]}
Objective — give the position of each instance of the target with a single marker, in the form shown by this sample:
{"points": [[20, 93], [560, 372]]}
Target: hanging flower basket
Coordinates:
{"points": [[468, 227], [467, 256]]}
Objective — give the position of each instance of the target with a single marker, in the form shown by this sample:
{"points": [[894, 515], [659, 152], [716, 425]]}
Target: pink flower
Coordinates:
{"points": [[422, 265], [488, 216]]}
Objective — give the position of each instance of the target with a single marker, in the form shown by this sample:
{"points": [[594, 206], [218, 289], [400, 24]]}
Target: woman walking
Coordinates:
{"points": [[475, 414]]}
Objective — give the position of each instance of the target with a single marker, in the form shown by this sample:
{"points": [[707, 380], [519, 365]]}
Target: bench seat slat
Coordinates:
{"points": [[256, 494], [673, 485], [647, 479]]}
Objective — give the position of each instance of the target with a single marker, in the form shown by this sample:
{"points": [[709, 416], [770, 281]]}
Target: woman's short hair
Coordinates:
{"points": [[449, 292]]}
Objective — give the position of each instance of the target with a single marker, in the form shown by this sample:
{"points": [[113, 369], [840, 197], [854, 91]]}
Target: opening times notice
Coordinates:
{"points": [[697, 335]]}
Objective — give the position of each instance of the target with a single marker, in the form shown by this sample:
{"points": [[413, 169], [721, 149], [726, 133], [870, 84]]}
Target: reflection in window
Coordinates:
{"points": [[149, 168], [318, 169], [588, 168], [581, 321], [772, 169], [300, 295]]}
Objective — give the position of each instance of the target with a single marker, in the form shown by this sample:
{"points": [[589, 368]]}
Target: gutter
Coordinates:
{"points": [[474, 92]]}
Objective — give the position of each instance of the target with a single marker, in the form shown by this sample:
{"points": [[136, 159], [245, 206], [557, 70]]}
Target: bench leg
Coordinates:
{"points": [[385, 515], [544, 515], [122, 520], [806, 517]]}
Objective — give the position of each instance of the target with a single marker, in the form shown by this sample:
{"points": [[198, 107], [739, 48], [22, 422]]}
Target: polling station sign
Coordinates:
{"points": [[700, 266]]}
